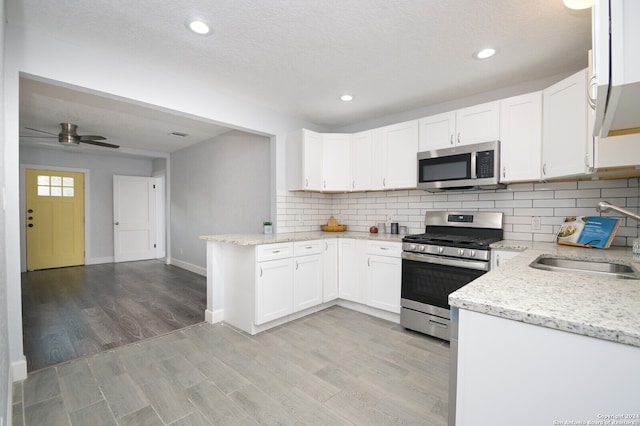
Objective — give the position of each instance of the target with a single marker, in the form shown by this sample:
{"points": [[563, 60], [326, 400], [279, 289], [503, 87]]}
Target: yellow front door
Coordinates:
{"points": [[55, 219]]}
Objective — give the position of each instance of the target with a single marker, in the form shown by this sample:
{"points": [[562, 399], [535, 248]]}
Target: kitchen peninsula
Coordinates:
{"points": [[258, 281]]}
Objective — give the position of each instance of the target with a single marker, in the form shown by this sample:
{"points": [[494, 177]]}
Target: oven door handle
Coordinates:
{"points": [[446, 261]]}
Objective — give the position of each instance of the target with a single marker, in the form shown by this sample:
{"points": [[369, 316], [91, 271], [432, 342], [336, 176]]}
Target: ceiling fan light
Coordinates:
{"points": [[578, 4]]}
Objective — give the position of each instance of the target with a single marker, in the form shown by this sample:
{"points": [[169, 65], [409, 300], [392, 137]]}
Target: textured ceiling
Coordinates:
{"points": [[299, 56]]}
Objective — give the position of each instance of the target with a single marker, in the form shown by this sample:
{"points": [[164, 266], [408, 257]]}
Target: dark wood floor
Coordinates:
{"points": [[69, 313]]}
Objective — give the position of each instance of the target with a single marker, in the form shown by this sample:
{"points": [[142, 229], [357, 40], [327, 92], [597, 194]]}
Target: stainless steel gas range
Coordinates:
{"points": [[453, 251]]}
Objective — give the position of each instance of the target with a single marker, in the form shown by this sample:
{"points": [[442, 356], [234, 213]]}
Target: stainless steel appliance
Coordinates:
{"points": [[475, 166], [453, 251]]}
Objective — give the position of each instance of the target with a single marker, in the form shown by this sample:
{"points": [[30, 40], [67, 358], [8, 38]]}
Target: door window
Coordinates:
{"points": [[55, 186]]}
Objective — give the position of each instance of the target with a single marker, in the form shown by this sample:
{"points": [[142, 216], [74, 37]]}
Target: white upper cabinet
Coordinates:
{"points": [[362, 161], [336, 162], [566, 145], [304, 161], [521, 138], [437, 131], [475, 124], [395, 150]]}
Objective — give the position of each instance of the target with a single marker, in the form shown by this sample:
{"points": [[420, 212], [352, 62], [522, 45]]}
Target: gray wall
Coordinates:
{"points": [[219, 186], [101, 170], [4, 331]]}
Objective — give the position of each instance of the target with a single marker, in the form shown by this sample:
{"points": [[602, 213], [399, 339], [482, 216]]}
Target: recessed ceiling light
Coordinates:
{"points": [[578, 4], [198, 26], [485, 53], [346, 98]]}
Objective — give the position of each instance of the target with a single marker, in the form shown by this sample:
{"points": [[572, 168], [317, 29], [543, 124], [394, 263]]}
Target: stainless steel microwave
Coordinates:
{"points": [[474, 166]]}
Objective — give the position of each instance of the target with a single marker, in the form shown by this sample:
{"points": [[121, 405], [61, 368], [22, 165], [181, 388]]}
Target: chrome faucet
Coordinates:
{"points": [[604, 206]]}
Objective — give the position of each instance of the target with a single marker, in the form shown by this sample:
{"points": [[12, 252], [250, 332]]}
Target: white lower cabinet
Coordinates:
{"points": [[501, 256], [351, 269], [330, 270], [274, 290], [307, 282], [384, 273]]}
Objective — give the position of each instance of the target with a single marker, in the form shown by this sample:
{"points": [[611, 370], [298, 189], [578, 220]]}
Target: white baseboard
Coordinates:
{"points": [[19, 370], [98, 260], [9, 398], [213, 317], [188, 266], [374, 312]]}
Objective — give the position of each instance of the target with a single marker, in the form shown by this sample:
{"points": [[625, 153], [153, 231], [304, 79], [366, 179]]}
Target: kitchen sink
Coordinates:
{"points": [[589, 267]]}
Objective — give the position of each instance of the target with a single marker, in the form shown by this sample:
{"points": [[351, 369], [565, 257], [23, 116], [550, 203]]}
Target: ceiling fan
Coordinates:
{"points": [[69, 136]]}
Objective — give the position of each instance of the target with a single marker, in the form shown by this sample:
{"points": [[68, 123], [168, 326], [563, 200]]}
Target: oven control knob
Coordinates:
{"points": [[412, 247], [460, 252], [440, 249], [472, 253], [421, 248]]}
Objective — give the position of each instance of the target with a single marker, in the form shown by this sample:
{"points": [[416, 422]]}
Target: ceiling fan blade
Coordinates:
{"points": [[105, 144], [41, 131], [84, 138], [38, 137]]}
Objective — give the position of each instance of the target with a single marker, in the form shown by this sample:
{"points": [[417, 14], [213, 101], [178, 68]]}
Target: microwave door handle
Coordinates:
{"points": [[474, 172]]}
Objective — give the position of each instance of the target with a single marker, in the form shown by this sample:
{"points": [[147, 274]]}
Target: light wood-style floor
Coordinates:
{"points": [[72, 312], [335, 367]]}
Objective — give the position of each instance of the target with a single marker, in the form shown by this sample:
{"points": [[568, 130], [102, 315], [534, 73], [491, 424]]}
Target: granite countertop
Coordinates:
{"points": [[605, 308], [257, 239]]}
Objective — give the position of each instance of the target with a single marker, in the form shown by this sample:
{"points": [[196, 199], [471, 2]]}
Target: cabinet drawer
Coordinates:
{"points": [[385, 249], [274, 251], [303, 248]]}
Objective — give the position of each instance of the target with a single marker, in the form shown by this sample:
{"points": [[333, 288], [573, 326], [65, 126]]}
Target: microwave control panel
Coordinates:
{"points": [[484, 164]]}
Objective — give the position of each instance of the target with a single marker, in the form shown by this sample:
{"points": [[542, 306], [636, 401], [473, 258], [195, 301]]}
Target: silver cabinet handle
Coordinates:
{"points": [[306, 183], [544, 169], [458, 138], [384, 181], [296, 265], [275, 251], [451, 139], [325, 184], [384, 248], [368, 261], [353, 184], [326, 245], [261, 271], [504, 171]]}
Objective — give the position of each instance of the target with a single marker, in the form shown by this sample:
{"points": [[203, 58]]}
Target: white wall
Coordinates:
{"points": [[4, 331], [219, 186], [101, 169]]}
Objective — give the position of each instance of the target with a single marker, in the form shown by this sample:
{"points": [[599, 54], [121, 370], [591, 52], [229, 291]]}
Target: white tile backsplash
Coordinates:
{"points": [[306, 211]]}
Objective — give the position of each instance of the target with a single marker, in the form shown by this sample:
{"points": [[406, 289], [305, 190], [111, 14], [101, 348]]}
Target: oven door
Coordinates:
{"points": [[428, 280]]}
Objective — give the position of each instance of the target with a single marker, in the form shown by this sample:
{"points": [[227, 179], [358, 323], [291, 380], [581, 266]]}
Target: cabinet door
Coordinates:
{"points": [[437, 131], [274, 290], [312, 160], [400, 144], [521, 138], [383, 282], [362, 161], [330, 270], [352, 269], [477, 124], [307, 281], [500, 257], [565, 141], [336, 162]]}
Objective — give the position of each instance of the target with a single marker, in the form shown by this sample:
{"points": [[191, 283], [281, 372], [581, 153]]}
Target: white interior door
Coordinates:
{"points": [[134, 218]]}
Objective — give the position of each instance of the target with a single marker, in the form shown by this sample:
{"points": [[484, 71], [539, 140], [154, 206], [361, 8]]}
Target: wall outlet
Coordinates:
{"points": [[389, 218], [536, 224]]}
